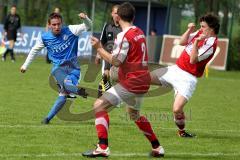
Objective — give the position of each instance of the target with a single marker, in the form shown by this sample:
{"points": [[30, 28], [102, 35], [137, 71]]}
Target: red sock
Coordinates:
{"points": [[179, 119], [102, 124], [145, 126]]}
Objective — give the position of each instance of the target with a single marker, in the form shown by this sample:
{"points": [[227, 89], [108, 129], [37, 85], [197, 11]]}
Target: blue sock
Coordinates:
{"points": [[59, 103]]}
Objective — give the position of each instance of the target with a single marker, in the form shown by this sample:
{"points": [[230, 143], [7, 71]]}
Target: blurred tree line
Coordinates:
{"points": [[35, 12]]}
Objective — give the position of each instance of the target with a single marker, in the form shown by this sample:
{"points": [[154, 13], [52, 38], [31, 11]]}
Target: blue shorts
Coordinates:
{"points": [[66, 73]]}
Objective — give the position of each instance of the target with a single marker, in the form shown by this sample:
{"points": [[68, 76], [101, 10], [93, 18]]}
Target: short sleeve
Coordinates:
{"points": [[121, 47]]}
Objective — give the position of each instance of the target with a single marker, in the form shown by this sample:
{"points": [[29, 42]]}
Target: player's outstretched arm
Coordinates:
{"points": [[86, 20], [79, 28]]}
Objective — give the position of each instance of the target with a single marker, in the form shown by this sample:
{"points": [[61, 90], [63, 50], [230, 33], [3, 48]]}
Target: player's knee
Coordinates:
{"points": [[62, 94], [178, 114], [96, 104], [99, 105], [177, 110], [67, 82]]}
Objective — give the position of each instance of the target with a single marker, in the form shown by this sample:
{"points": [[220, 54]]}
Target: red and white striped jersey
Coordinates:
{"points": [[130, 48], [206, 50]]}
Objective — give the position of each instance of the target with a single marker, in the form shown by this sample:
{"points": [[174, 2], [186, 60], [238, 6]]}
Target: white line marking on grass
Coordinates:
{"points": [[118, 154], [84, 126]]}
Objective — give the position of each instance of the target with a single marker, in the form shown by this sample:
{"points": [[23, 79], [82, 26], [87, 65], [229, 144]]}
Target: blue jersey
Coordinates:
{"points": [[62, 47]]}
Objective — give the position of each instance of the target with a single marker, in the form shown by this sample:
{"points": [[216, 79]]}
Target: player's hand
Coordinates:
{"points": [[23, 70], [82, 15], [95, 42], [191, 27]]}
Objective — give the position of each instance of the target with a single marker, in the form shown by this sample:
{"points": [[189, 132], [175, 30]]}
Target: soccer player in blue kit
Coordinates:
{"points": [[62, 46]]}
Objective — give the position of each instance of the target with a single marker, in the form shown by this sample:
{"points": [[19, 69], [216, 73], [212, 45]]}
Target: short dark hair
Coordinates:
{"points": [[126, 12], [212, 21], [54, 15]]}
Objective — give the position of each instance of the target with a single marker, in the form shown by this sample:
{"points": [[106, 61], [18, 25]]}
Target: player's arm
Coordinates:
{"points": [[104, 54], [184, 38], [32, 54], [195, 50], [86, 25], [109, 57], [87, 21]]}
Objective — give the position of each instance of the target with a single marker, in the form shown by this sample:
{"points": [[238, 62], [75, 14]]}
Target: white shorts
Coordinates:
{"points": [[117, 94], [183, 82]]}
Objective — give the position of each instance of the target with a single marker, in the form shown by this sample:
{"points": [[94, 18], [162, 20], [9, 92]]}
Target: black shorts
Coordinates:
{"points": [[11, 35]]}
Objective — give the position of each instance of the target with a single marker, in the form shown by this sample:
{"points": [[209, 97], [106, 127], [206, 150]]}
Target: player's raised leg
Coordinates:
{"points": [[71, 87], [68, 81]]}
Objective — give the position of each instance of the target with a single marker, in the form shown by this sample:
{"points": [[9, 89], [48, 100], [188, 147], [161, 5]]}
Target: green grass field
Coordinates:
{"points": [[213, 114]]}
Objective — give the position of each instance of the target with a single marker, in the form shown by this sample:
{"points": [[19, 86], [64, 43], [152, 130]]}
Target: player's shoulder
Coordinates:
{"points": [[134, 32], [110, 27], [109, 24], [129, 32], [45, 34], [65, 28]]}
